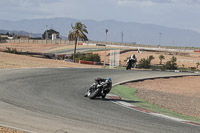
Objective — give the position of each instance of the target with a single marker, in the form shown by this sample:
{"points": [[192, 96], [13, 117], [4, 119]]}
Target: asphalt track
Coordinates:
{"points": [[51, 101]]}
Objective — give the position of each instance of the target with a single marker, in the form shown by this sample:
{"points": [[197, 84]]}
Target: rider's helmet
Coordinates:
{"points": [[109, 79], [133, 56], [109, 84]]}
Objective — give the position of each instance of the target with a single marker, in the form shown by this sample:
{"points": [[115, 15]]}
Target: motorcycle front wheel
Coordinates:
{"points": [[93, 93], [128, 67]]}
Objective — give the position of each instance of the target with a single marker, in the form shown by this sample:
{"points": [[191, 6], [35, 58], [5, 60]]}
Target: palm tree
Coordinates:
{"points": [[198, 63], [150, 58], [161, 57], [106, 34], [76, 34]]}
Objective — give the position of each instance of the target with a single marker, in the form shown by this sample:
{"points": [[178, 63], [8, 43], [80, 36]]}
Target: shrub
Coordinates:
{"points": [[198, 63], [145, 63], [150, 58], [8, 50], [93, 57], [12, 50], [171, 65], [86, 57], [78, 56], [161, 57]]}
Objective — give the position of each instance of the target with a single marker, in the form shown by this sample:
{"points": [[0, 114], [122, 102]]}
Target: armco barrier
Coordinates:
{"points": [[90, 62], [196, 50], [86, 62], [98, 63], [100, 45], [91, 44], [80, 43]]}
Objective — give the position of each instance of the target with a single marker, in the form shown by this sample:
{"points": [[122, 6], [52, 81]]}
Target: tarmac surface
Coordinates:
{"points": [[51, 101]]}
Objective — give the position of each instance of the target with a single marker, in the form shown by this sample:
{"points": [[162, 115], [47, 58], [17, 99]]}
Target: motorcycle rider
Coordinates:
{"points": [[104, 84], [132, 60], [133, 57]]}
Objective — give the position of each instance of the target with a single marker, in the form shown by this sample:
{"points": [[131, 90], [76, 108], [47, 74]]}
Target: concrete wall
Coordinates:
{"points": [[72, 42], [67, 42], [40, 41]]}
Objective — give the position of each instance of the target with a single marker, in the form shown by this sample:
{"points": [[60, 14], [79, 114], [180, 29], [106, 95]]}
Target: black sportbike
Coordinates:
{"points": [[100, 88], [130, 63]]}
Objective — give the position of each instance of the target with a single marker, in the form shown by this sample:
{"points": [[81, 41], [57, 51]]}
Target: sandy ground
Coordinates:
{"points": [[176, 94], [9, 61], [8, 130], [30, 47], [186, 60], [179, 94]]}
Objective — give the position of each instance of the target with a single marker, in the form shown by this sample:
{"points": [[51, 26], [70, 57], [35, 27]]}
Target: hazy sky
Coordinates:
{"points": [[172, 13]]}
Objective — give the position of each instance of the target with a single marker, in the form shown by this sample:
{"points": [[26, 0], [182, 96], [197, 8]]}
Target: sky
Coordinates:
{"points": [[184, 14]]}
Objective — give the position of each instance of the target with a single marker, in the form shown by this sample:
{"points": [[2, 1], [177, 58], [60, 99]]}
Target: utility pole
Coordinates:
{"points": [[106, 34], [122, 36], [46, 33], [105, 49], [160, 39]]}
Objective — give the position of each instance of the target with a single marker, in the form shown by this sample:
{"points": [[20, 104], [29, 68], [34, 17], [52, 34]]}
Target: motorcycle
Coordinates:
{"points": [[130, 63], [98, 90]]}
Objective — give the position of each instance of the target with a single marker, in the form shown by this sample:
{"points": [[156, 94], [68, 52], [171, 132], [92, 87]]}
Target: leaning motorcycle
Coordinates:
{"points": [[130, 63], [97, 90]]}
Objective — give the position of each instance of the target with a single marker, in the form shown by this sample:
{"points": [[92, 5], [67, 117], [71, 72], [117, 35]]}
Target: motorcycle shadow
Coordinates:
{"points": [[116, 100]]}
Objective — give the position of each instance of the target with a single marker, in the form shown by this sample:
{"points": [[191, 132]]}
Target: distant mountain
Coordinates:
{"points": [[132, 32], [30, 34], [34, 35]]}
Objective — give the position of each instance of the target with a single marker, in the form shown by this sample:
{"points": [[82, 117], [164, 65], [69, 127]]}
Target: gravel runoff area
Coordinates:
{"points": [[9, 130], [177, 94], [10, 61], [180, 95]]}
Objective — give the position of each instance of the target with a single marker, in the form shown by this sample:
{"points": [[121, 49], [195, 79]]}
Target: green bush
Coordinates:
{"points": [[161, 57], [145, 63], [78, 56], [93, 57], [150, 58], [171, 65], [12, 50], [8, 50], [86, 57]]}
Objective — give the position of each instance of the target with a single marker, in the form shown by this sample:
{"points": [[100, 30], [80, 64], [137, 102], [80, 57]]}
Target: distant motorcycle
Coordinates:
{"points": [[100, 88], [131, 63]]}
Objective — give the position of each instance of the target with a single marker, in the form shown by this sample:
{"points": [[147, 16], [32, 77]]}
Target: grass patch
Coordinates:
{"points": [[127, 93]]}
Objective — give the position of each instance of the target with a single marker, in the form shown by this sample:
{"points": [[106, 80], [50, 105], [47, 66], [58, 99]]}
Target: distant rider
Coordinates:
{"points": [[133, 59]]}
